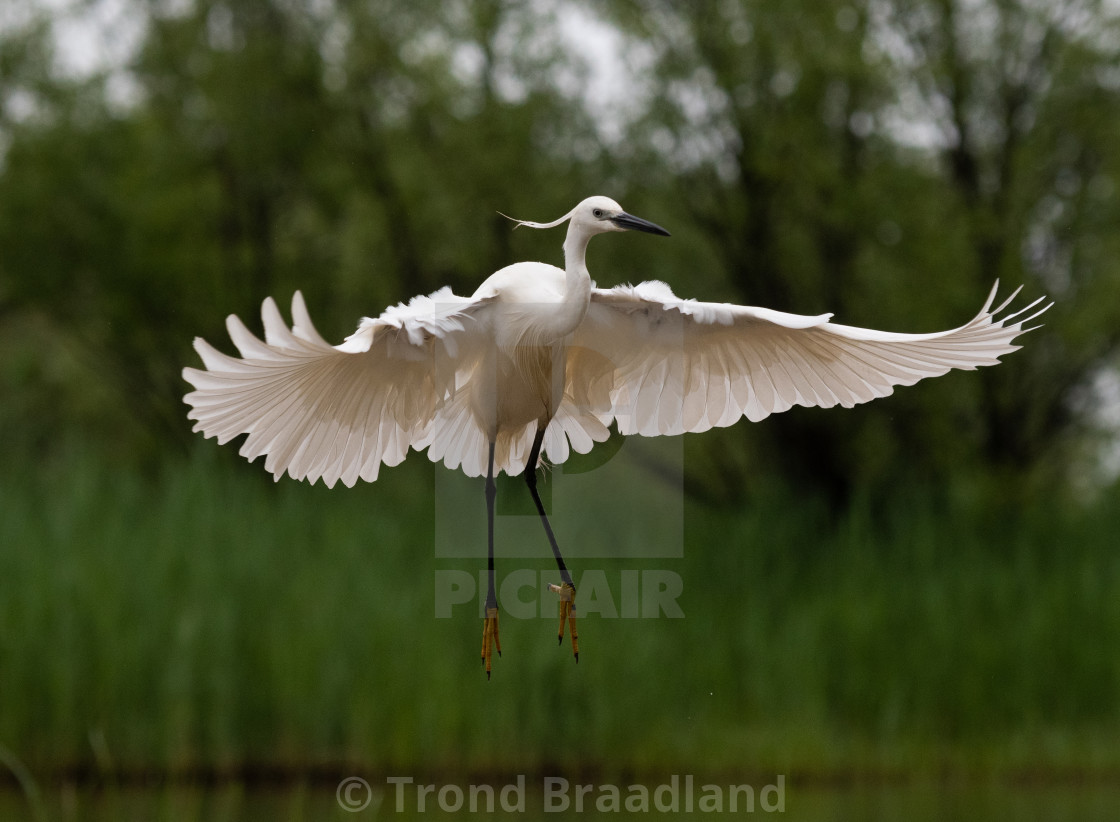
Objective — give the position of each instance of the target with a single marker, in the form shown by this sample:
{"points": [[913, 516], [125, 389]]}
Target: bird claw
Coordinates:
{"points": [[567, 593], [490, 640]]}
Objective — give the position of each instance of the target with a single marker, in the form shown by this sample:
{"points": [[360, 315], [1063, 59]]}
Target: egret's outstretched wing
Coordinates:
{"points": [[333, 412], [656, 364]]}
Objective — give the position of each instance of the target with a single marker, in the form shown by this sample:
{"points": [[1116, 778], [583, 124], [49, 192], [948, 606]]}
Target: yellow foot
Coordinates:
{"points": [[490, 639], [567, 614]]}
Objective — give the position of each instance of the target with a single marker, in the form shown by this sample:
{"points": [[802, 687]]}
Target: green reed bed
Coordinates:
{"points": [[203, 619]]}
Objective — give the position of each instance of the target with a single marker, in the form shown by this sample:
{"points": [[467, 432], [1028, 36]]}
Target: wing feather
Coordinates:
{"points": [[320, 412], [671, 366]]}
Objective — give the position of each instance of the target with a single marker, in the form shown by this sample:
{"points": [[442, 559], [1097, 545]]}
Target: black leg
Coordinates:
{"points": [[490, 639], [531, 481], [491, 494], [567, 588]]}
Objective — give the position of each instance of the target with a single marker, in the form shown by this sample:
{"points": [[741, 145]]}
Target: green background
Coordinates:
{"points": [[923, 588]]}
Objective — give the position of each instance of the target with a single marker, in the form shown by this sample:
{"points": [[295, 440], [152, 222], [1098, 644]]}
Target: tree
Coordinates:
{"points": [[888, 162], [268, 147]]}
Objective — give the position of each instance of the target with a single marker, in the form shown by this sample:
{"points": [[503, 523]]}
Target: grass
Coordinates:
{"points": [[205, 619]]}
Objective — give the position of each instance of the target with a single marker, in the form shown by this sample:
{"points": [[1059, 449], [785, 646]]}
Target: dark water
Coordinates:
{"points": [[984, 803]]}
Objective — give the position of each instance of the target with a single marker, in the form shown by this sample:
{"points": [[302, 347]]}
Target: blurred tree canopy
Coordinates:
{"points": [[886, 161]]}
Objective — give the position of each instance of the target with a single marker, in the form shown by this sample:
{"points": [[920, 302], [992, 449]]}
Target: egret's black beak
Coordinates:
{"points": [[632, 223]]}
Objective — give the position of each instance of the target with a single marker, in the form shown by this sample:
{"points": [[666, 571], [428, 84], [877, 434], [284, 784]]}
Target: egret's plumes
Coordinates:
{"points": [[538, 359]]}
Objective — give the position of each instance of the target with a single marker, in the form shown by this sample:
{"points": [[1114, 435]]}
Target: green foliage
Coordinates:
{"points": [[253, 165], [361, 153], [907, 584], [851, 157], [208, 619]]}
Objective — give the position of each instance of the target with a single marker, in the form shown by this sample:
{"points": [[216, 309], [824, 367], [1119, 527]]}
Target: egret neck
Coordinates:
{"points": [[577, 280]]}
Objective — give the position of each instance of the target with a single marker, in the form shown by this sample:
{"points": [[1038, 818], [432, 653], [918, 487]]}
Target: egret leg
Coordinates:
{"points": [[490, 640], [566, 589]]}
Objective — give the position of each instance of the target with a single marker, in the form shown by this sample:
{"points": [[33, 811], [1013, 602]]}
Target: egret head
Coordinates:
{"points": [[596, 215]]}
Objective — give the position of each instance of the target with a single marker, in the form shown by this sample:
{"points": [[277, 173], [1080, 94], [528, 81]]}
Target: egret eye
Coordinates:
{"points": [[598, 213]]}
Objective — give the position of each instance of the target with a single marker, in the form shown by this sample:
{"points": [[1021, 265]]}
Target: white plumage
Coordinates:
{"points": [[539, 347]]}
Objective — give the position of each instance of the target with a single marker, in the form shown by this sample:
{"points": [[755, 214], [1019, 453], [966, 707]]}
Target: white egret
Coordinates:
{"points": [[539, 360]]}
